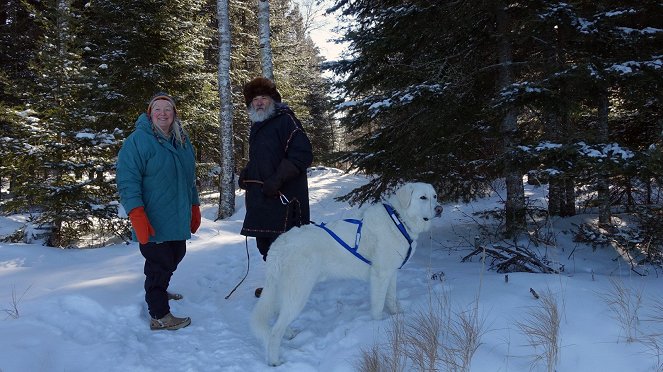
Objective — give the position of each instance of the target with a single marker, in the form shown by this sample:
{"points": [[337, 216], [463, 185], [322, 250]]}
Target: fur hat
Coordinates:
{"points": [[160, 96], [260, 86]]}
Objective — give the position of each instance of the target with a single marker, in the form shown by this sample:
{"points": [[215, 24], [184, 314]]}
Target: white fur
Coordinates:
{"points": [[304, 256]]}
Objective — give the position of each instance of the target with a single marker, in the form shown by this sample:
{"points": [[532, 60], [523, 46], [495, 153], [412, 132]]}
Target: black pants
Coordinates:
{"points": [[263, 246], [161, 260]]}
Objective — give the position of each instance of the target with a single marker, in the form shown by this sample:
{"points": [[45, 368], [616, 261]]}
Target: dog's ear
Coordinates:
{"points": [[404, 195]]}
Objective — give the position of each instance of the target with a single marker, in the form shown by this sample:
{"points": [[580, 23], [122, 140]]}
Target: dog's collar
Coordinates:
{"points": [[401, 227]]}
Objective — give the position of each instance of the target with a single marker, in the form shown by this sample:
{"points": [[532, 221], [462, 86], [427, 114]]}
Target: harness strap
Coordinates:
{"points": [[394, 217], [344, 244]]}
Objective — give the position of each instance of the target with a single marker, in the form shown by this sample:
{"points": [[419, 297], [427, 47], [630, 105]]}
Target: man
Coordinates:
{"points": [[275, 176]]}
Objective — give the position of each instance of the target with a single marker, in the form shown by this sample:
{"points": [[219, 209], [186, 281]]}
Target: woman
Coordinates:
{"points": [[156, 182]]}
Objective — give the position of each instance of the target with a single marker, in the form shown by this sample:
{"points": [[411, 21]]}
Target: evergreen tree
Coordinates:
{"points": [[18, 36], [424, 99], [69, 158], [418, 84]]}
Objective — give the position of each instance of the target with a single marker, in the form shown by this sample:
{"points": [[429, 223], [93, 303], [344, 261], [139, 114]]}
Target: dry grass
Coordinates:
{"points": [[657, 314], [625, 304], [433, 339], [422, 339], [463, 335], [654, 346], [371, 360], [12, 311], [541, 327], [653, 341]]}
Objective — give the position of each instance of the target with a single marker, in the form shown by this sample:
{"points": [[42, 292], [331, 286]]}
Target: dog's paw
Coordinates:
{"points": [[275, 363]]}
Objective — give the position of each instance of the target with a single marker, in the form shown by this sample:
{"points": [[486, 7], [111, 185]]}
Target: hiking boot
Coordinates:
{"points": [[169, 322], [258, 291], [174, 296]]}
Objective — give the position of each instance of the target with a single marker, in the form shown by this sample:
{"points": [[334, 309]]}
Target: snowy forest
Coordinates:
{"points": [[455, 93]]}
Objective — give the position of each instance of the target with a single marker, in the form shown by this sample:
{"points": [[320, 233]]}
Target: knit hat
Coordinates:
{"points": [[160, 96], [260, 86]]}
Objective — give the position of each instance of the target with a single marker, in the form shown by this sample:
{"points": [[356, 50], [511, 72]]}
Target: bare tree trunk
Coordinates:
{"points": [[569, 202], [515, 190], [227, 161], [603, 185], [265, 44]]}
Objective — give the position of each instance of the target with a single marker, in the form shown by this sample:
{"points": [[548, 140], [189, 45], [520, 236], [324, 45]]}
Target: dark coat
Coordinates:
{"points": [[279, 154]]}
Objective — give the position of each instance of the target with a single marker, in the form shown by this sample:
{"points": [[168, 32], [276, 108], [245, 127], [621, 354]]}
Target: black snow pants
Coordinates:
{"points": [[161, 260]]}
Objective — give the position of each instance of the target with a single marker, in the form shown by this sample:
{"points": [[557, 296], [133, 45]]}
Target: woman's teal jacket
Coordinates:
{"points": [[159, 174]]}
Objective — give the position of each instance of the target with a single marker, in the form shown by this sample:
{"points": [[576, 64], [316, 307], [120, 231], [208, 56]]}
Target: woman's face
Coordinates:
{"points": [[162, 115]]}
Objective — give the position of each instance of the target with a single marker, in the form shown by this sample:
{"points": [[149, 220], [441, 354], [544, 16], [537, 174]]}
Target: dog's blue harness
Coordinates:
{"points": [[394, 217], [344, 244]]}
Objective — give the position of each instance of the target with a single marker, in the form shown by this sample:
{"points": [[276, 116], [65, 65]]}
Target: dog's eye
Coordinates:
{"points": [[423, 197]]}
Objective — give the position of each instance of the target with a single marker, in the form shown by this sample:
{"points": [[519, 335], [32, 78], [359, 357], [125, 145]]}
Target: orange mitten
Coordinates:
{"points": [[141, 225], [195, 218]]}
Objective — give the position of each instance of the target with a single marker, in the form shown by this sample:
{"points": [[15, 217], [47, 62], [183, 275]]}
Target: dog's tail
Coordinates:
{"points": [[265, 310]]}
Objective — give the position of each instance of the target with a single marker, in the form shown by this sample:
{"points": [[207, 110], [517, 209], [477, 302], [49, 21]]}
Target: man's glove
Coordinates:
{"points": [[141, 225], [240, 180], [195, 218], [285, 171]]}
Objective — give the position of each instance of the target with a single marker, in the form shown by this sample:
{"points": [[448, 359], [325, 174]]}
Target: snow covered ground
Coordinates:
{"points": [[83, 310]]}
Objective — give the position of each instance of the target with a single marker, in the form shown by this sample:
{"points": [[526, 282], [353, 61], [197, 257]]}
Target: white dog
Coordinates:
{"points": [[302, 257]]}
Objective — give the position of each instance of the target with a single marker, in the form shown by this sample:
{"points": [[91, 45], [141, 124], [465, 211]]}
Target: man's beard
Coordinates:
{"points": [[258, 116]]}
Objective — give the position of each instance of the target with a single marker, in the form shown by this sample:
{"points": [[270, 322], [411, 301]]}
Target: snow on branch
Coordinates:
{"points": [[376, 104]]}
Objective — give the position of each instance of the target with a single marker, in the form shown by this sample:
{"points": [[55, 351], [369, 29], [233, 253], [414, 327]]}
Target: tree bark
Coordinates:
{"points": [[515, 190], [561, 193], [603, 185], [227, 161], [265, 44]]}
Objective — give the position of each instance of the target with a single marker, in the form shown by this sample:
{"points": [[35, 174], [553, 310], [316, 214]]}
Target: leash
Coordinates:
{"points": [[248, 265], [284, 201]]}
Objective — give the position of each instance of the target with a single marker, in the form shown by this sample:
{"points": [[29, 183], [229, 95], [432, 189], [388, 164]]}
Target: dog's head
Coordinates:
{"points": [[417, 205]]}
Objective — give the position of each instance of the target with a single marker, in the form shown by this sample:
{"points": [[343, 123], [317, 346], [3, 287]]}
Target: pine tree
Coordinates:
{"points": [[418, 86], [18, 36], [69, 158]]}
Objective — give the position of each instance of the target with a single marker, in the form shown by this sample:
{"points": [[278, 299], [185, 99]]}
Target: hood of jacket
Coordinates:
{"points": [[158, 174]]}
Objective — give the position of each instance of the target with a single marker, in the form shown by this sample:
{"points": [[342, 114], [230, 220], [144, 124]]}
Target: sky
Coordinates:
{"points": [[83, 309], [323, 32]]}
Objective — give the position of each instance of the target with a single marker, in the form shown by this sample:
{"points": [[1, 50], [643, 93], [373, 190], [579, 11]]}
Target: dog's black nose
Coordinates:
{"points": [[438, 211]]}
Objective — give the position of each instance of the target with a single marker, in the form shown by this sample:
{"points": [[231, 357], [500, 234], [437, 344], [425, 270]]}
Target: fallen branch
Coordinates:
{"points": [[507, 259]]}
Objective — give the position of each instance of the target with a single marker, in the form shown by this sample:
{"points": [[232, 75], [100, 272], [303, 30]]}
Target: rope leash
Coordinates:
{"points": [[248, 265], [284, 200]]}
